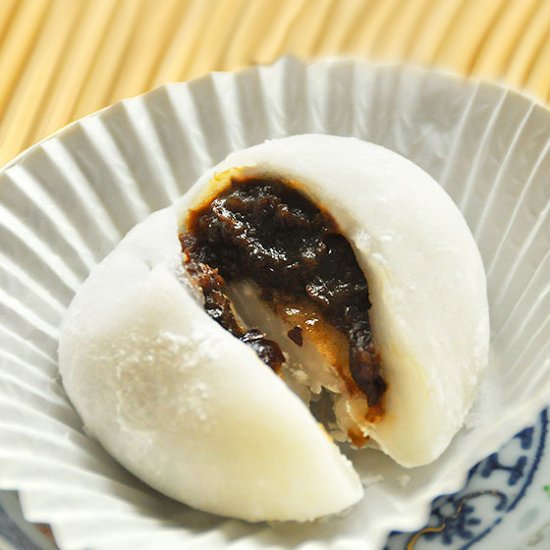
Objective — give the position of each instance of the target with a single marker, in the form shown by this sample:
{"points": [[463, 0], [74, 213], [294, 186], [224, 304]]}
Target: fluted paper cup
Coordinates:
{"points": [[66, 202]]}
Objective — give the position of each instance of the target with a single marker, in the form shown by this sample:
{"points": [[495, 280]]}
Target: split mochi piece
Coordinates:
{"points": [[427, 286], [184, 405]]}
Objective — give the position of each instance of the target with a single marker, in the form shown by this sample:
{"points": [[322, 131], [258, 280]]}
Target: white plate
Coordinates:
{"points": [[67, 201], [505, 504]]}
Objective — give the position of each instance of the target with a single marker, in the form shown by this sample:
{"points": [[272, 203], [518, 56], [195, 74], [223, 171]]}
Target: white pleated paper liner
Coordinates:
{"points": [[66, 202]]}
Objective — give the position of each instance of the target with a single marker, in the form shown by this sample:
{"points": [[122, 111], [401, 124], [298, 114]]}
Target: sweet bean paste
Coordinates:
{"points": [[266, 231]]}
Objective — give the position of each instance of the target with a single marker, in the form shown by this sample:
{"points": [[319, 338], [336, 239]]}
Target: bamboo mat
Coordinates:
{"points": [[62, 59]]}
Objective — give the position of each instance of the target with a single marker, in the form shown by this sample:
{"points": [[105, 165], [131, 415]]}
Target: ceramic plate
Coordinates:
{"points": [[505, 504]]}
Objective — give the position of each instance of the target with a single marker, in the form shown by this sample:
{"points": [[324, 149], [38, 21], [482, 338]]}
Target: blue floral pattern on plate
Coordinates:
{"points": [[494, 488]]}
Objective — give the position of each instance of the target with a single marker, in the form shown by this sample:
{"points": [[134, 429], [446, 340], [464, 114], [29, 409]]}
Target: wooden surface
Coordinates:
{"points": [[63, 59]]}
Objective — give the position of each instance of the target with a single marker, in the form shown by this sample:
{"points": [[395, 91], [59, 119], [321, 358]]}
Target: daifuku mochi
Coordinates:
{"points": [[309, 272]]}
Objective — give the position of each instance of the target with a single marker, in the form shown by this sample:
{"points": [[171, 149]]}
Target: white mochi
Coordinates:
{"points": [[195, 413], [184, 405]]}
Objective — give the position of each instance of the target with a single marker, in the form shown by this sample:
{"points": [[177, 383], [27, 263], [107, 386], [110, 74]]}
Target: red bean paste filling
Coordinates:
{"points": [[266, 231]]}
